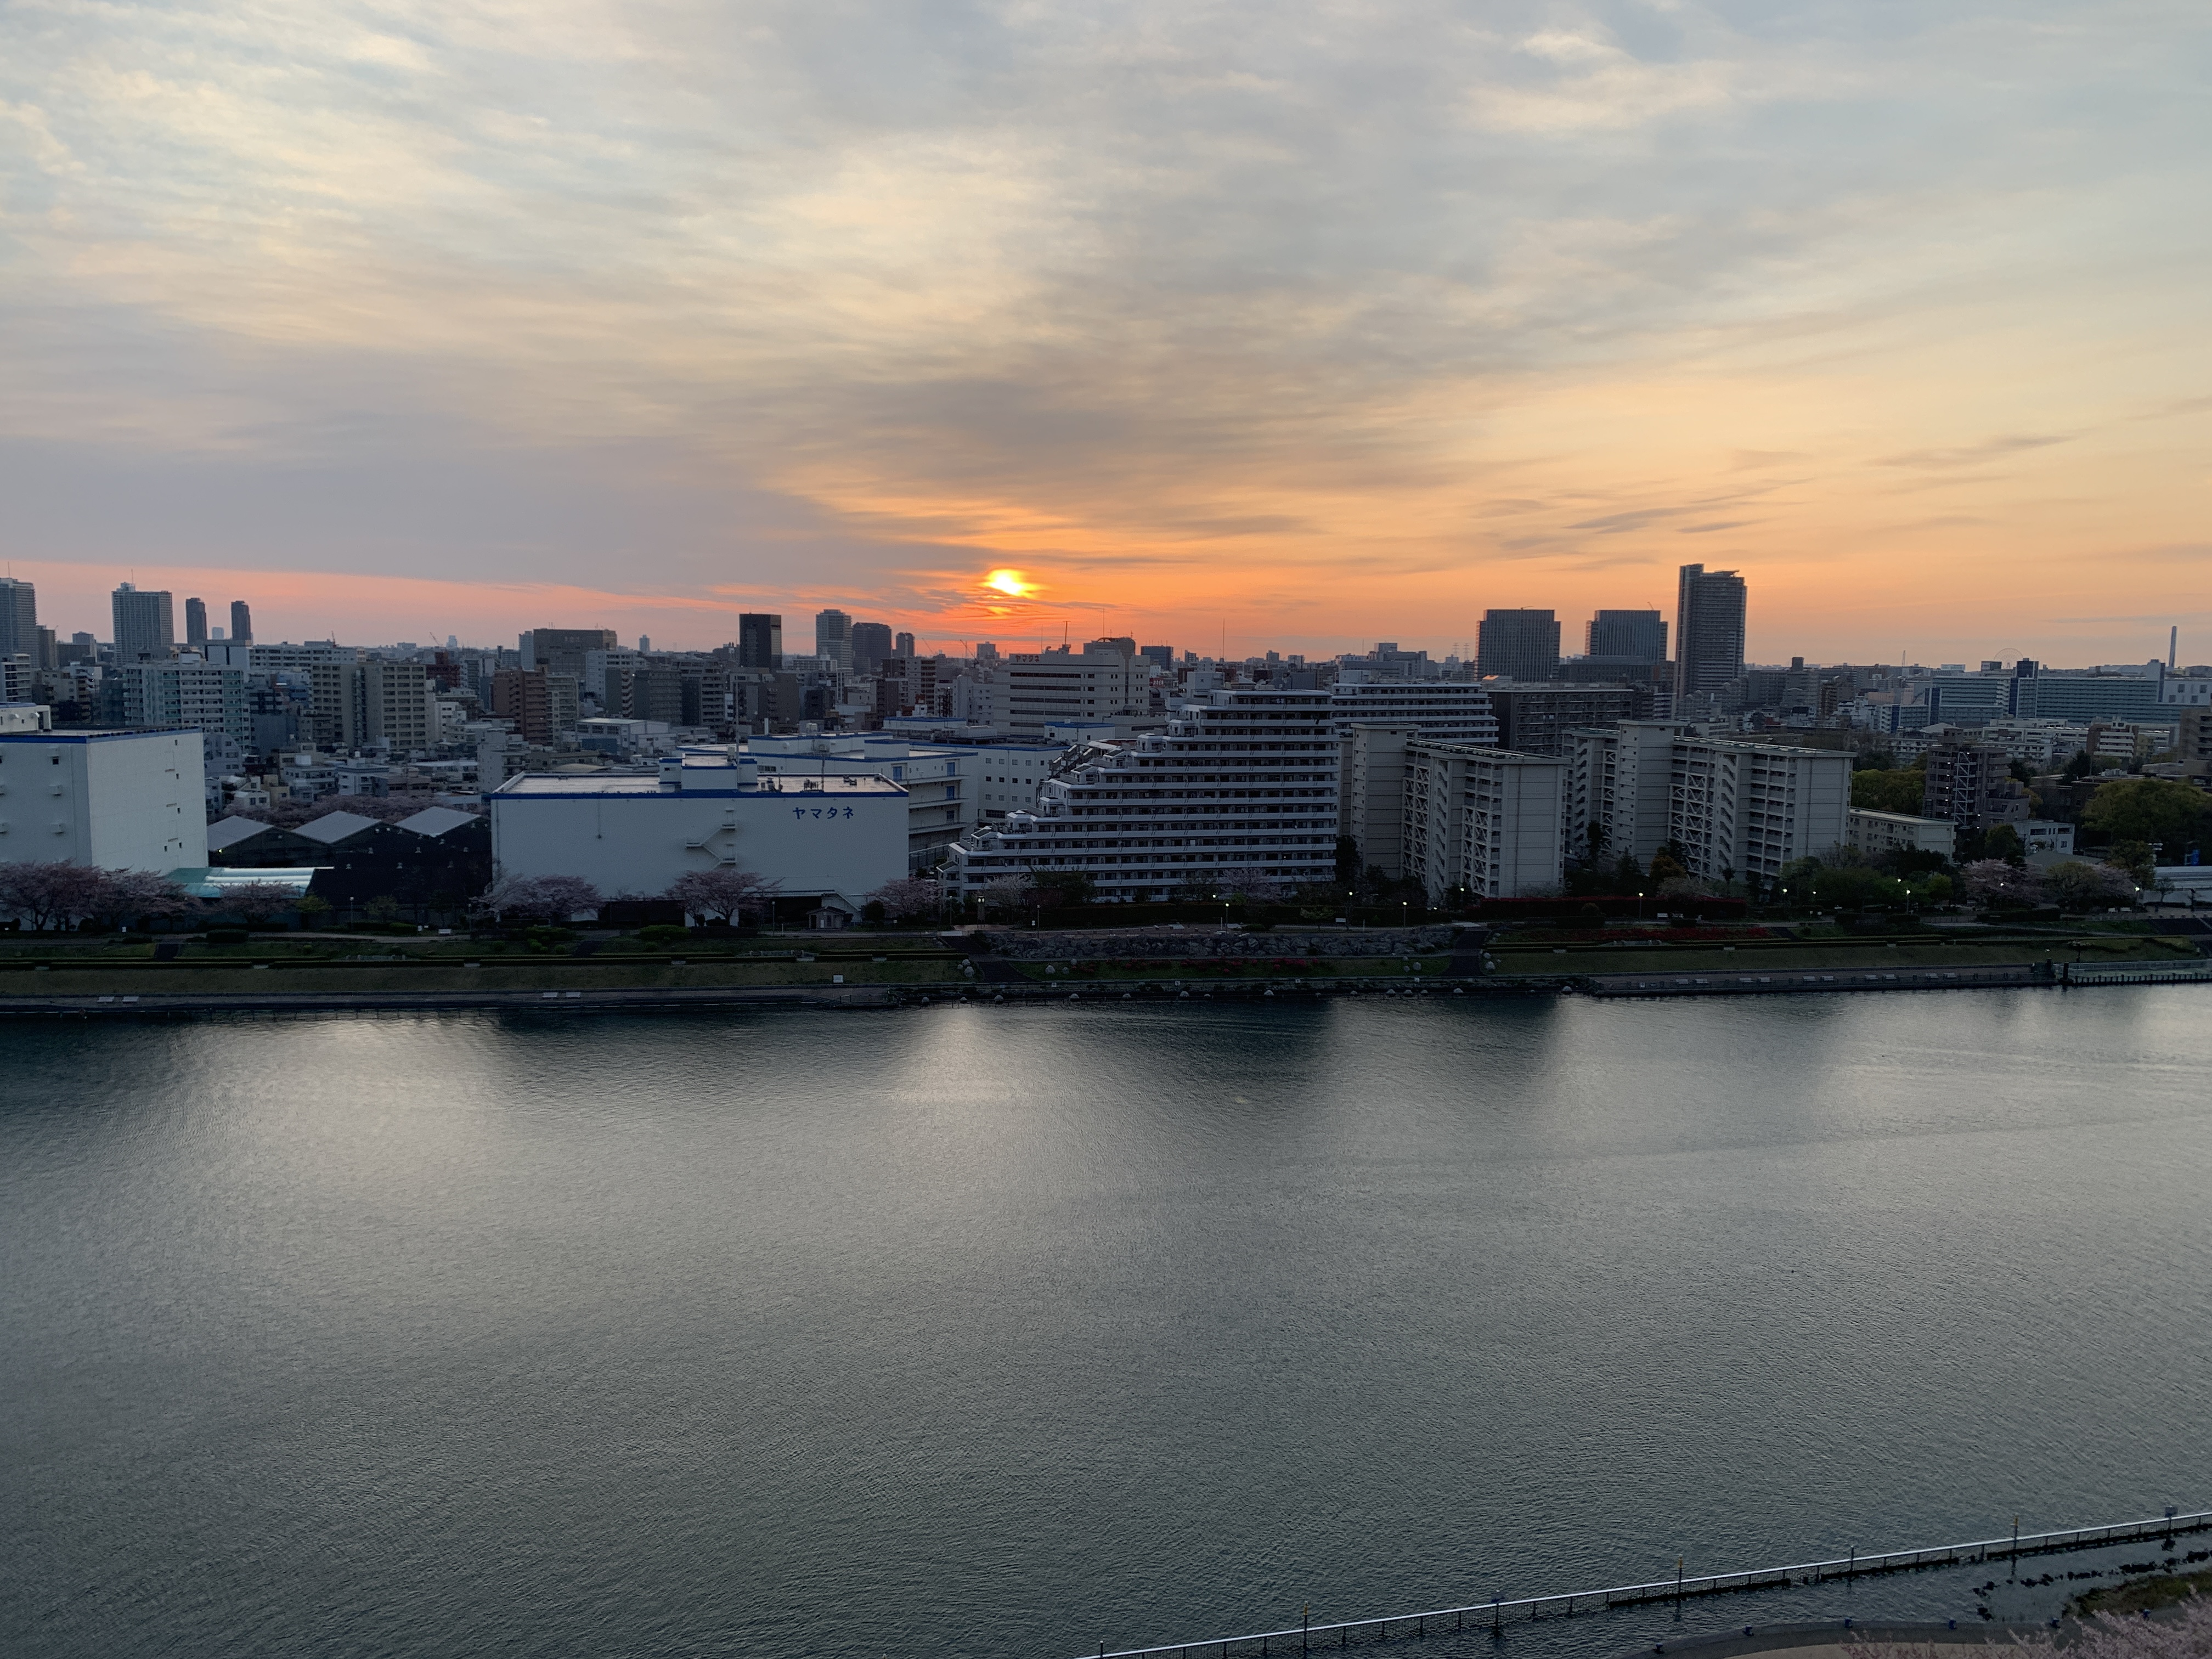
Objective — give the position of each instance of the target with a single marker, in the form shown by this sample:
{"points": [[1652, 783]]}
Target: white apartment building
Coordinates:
{"points": [[1748, 809], [832, 836], [1874, 833], [1042, 687], [1484, 820], [123, 800], [1371, 767], [1442, 711], [1238, 791], [1621, 778], [2045, 744], [1739, 809], [1009, 775]]}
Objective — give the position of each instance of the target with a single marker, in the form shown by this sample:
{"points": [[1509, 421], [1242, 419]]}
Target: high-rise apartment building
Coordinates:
{"points": [[196, 629], [363, 703], [1520, 645], [1537, 719], [902, 645], [241, 622], [1481, 821], [1709, 625], [1627, 636], [1971, 785], [1237, 794], [1737, 810], [833, 638], [1443, 711], [871, 644], [19, 619], [145, 630], [202, 696], [561, 650], [760, 640]]}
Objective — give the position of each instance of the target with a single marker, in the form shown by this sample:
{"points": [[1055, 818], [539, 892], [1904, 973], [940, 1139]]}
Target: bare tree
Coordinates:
{"points": [[538, 898], [725, 893], [908, 896]]}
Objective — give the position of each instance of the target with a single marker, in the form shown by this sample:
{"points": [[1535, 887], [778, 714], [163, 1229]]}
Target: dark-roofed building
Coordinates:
{"points": [[432, 863], [237, 843]]}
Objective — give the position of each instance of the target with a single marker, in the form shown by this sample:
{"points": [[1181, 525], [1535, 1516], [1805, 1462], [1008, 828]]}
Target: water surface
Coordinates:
{"points": [[1012, 1331]]}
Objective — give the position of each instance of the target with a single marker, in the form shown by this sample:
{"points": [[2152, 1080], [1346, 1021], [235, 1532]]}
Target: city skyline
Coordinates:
{"points": [[1297, 331], [283, 601]]}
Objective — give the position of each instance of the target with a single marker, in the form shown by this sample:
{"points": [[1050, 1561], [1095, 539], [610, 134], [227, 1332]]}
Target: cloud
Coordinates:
{"points": [[1183, 298]]}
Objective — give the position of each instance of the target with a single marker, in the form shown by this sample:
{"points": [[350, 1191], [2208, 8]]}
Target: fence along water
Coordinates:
{"points": [[1357, 1632]]}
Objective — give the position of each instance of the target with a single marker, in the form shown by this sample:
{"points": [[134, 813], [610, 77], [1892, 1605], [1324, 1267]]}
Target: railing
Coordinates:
{"points": [[2135, 972], [1494, 1612]]}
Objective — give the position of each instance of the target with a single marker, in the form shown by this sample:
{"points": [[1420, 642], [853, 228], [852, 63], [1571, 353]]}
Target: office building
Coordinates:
{"points": [[122, 800], [1237, 794], [871, 644], [241, 622], [1627, 636], [1537, 720], [1103, 683], [541, 704], [1709, 631], [203, 696], [1445, 711], [1482, 822], [833, 639], [902, 645], [827, 840], [195, 628], [1517, 645], [760, 640], [19, 619], [562, 650], [144, 628]]}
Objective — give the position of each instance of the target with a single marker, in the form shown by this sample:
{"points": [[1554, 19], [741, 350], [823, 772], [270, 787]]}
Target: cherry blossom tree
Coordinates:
{"points": [[908, 896], [725, 893], [547, 899]]}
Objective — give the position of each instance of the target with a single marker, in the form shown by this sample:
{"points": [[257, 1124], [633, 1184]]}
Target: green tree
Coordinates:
{"points": [[2080, 767], [2002, 841], [2150, 810], [1629, 873], [1889, 791], [1858, 887], [1665, 867]]}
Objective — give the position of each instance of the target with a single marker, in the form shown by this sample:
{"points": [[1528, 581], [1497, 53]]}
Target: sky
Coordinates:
{"points": [[1293, 325]]}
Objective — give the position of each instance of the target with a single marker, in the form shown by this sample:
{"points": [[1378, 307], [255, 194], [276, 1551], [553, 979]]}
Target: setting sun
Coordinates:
{"points": [[1011, 583]]}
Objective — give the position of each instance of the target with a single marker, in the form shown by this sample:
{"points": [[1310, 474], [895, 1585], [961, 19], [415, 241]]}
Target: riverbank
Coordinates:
{"points": [[120, 974]]}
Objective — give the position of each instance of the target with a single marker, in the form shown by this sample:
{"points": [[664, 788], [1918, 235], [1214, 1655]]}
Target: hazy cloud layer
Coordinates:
{"points": [[1331, 318]]}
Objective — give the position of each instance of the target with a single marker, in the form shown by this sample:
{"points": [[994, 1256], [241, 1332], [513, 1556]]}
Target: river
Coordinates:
{"points": [[1014, 1331]]}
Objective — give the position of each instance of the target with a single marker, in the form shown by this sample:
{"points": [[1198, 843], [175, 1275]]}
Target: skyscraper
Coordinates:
{"points": [[871, 644], [902, 645], [196, 622], [760, 640], [18, 617], [1632, 635], [145, 626], [1708, 618], [241, 622], [833, 638], [1522, 645]]}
